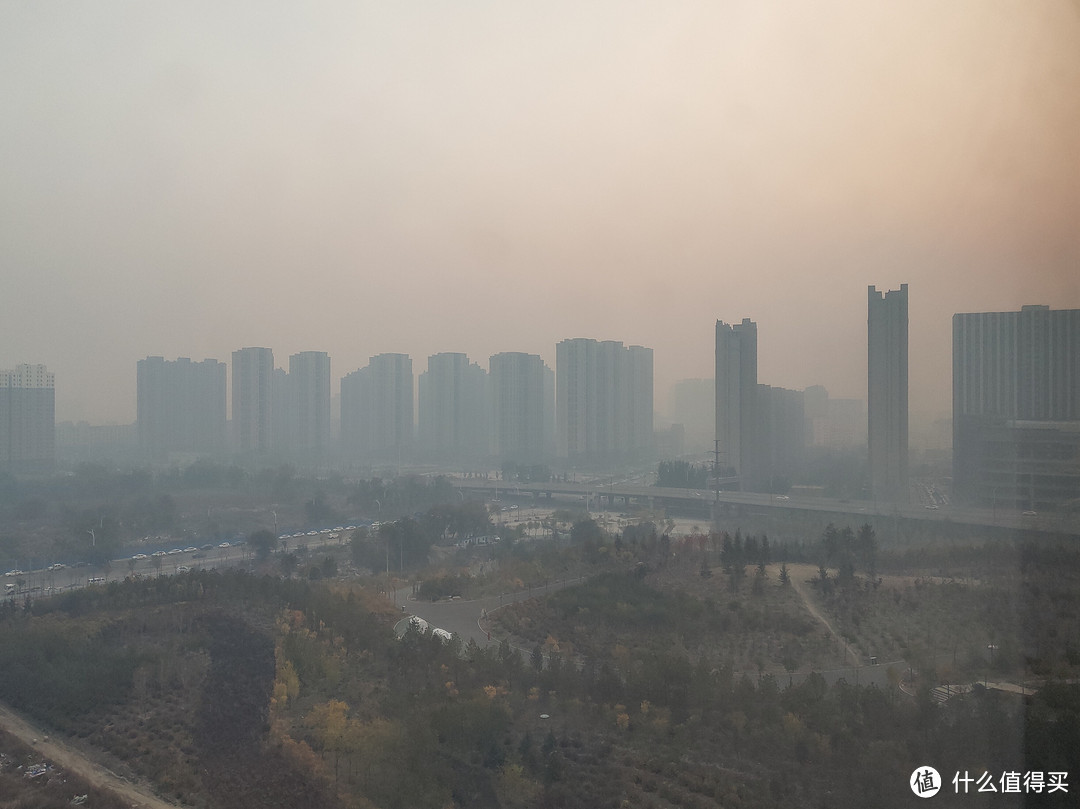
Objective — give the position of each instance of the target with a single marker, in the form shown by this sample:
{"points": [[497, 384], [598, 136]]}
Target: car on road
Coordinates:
{"points": [[224, 545], [190, 549], [175, 551], [159, 553], [140, 556]]}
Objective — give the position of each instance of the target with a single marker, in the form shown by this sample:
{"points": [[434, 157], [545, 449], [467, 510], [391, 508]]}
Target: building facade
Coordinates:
{"points": [[252, 400], [522, 393], [377, 410], [736, 397], [27, 419], [604, 400], [181, 407], [454, 409], [887, 393], [308, 395], [1016, 408]]}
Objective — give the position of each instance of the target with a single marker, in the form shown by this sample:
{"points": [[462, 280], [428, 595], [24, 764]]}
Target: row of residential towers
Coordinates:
{"points": [[603, 411]]}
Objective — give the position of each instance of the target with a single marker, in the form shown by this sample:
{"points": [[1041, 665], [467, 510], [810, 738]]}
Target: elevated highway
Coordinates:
{"points": [[625, 496]]}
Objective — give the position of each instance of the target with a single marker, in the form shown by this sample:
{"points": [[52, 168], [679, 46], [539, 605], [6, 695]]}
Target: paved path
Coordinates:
{"points": [[59, 752], [462, 617]]}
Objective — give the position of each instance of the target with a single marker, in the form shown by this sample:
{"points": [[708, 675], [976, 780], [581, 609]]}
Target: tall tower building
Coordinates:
{"points": [[887, 393], [453, 417], [641, 415], [1016, 408], [181, 407], [252, 392], [377, 409], [736, 396], [309, 399], [27, 419], [522, 389], [604, 399]]}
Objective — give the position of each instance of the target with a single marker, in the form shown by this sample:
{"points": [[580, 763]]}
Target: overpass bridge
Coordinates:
{"points": [[614, 496]]}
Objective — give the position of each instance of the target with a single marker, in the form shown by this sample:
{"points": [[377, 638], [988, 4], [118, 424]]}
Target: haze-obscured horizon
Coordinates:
{"points": [[185, 180]]}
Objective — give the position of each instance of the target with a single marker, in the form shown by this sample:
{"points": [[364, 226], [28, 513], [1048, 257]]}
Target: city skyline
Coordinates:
{"points": [[374, 179]]}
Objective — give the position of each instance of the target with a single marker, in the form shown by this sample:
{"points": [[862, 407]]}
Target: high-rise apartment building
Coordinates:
{"points": [[181, 407], [308, 394], [522, 393], [780, 437], [453, 408], [27, 419], [736, 396], [887, 393], [252, 400], [604, 399], [640, 398], [1016, 408], [377, 409]]}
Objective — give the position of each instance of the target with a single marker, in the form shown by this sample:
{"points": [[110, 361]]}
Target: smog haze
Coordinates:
{"points": [[357, 178]]}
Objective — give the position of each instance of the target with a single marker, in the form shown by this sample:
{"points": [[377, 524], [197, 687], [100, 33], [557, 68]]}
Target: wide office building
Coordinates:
{"points": [[27, 419], [887, 393], [181, 407], [1016, 408]]}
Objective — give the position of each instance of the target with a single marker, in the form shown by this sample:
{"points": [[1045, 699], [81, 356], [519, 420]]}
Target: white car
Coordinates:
{"points": [[139, 556], [224, 545]]}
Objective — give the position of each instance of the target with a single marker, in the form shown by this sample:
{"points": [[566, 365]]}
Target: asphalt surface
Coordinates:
{"points": [[462, 617]]}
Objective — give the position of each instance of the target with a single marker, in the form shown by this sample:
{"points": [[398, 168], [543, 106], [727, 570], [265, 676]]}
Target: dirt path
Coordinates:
{"points": [[59, 752], [799, 574]]}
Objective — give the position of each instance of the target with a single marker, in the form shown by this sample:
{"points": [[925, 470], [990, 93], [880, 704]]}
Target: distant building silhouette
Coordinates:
{"points": [[522, 399], [252, 400], [779, 438], [833, 423], [454, 408], [736, 396], [760, 429], [887, 393], [604, 399], [308, 396], [181, 407], [1016, 408], [27, 419], [692, 404], [377, 410]]}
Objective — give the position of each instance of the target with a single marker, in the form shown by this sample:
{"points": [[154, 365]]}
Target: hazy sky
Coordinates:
{"points": [[185, 179]]}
